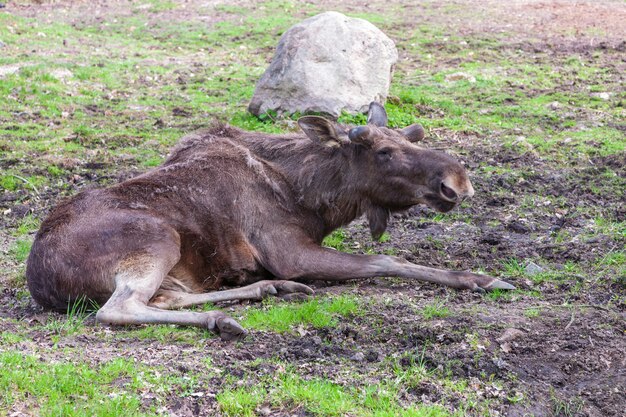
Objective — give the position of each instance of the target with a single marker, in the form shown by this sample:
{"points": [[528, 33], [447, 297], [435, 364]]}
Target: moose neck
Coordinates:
{"points": [[321, 176]]}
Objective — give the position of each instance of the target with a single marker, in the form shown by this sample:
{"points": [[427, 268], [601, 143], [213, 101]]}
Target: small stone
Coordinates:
{"points": [[2, 44], [499, 363], [357, 357], [61, 74], [602, 96], [265, 411], [509, 335], [554, 105], [373, 356], [533, 269], [316, 340], [517, 226], [9, 69], [461, 76]]}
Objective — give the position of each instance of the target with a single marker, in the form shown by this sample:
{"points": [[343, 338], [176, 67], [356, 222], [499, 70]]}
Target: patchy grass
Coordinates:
{"points": [[337, 240], [20, 250], [318, 313], [437, 309], [87, 102], [322, 398], [72, 389]]}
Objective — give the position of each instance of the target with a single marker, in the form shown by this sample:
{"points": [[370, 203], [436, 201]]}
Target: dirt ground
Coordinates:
{"points": [[569, 359]]}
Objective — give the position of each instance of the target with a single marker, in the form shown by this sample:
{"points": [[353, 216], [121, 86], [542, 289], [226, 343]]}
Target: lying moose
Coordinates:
{"points": [[242, 209]]}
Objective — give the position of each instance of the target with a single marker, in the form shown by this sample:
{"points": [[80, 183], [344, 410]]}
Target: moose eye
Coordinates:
{"points": [[384, 153]]}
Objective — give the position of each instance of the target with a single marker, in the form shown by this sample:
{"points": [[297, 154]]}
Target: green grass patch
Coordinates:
{"points": [[9, 182], [166, 334], [28, 224], [532, 312], [20, 249], [10, 339], [600, 141], [288, 392], [437, 309], [337, 240], [240, 402], [71, 389], [318, 313]]}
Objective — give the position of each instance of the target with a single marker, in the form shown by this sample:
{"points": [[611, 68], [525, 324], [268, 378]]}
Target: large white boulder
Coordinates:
{"points": [[327, 63]]}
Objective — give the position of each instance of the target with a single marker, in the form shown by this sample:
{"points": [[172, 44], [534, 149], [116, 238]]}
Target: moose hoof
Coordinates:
{"points": [[227, 328], [290, 290], [482, 283], [499, 285], [286, 290], [296, 296]]}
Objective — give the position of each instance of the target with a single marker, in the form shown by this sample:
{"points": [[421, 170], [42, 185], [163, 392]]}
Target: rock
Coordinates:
{"points": [[602, 96], [61, 74], [328, 63], [491, 238], [2, 44], [509, 335], [500, 364], [357, 357], [517, 226], [373, 356], [461, 76], [265, 411], [9, 69], [533, 269], [555, 105]]}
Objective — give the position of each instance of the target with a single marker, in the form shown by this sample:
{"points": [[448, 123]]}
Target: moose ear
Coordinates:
{"points": [[361, 135], [377, 217], [376, 115], [413, 133], [319, 130]]}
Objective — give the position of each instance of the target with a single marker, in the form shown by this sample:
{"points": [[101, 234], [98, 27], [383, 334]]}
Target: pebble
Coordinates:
{"points": [[602, 96], [510, 334], [61, 74], [554, 105], [357, 357], [458, 76], [499, 363], [265, 411], [2, 44], [373, 356], [533, 269]]}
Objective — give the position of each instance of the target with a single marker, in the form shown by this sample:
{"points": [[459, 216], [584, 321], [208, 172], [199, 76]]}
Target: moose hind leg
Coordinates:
{"points": [[136, 282]]}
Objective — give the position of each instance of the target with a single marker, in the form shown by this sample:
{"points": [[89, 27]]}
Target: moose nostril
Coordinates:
{"points": [[448, 192]]}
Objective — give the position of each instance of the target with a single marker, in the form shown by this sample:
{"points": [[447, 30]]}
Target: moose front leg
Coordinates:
{"points": [[168, 299], [314, 262]]}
